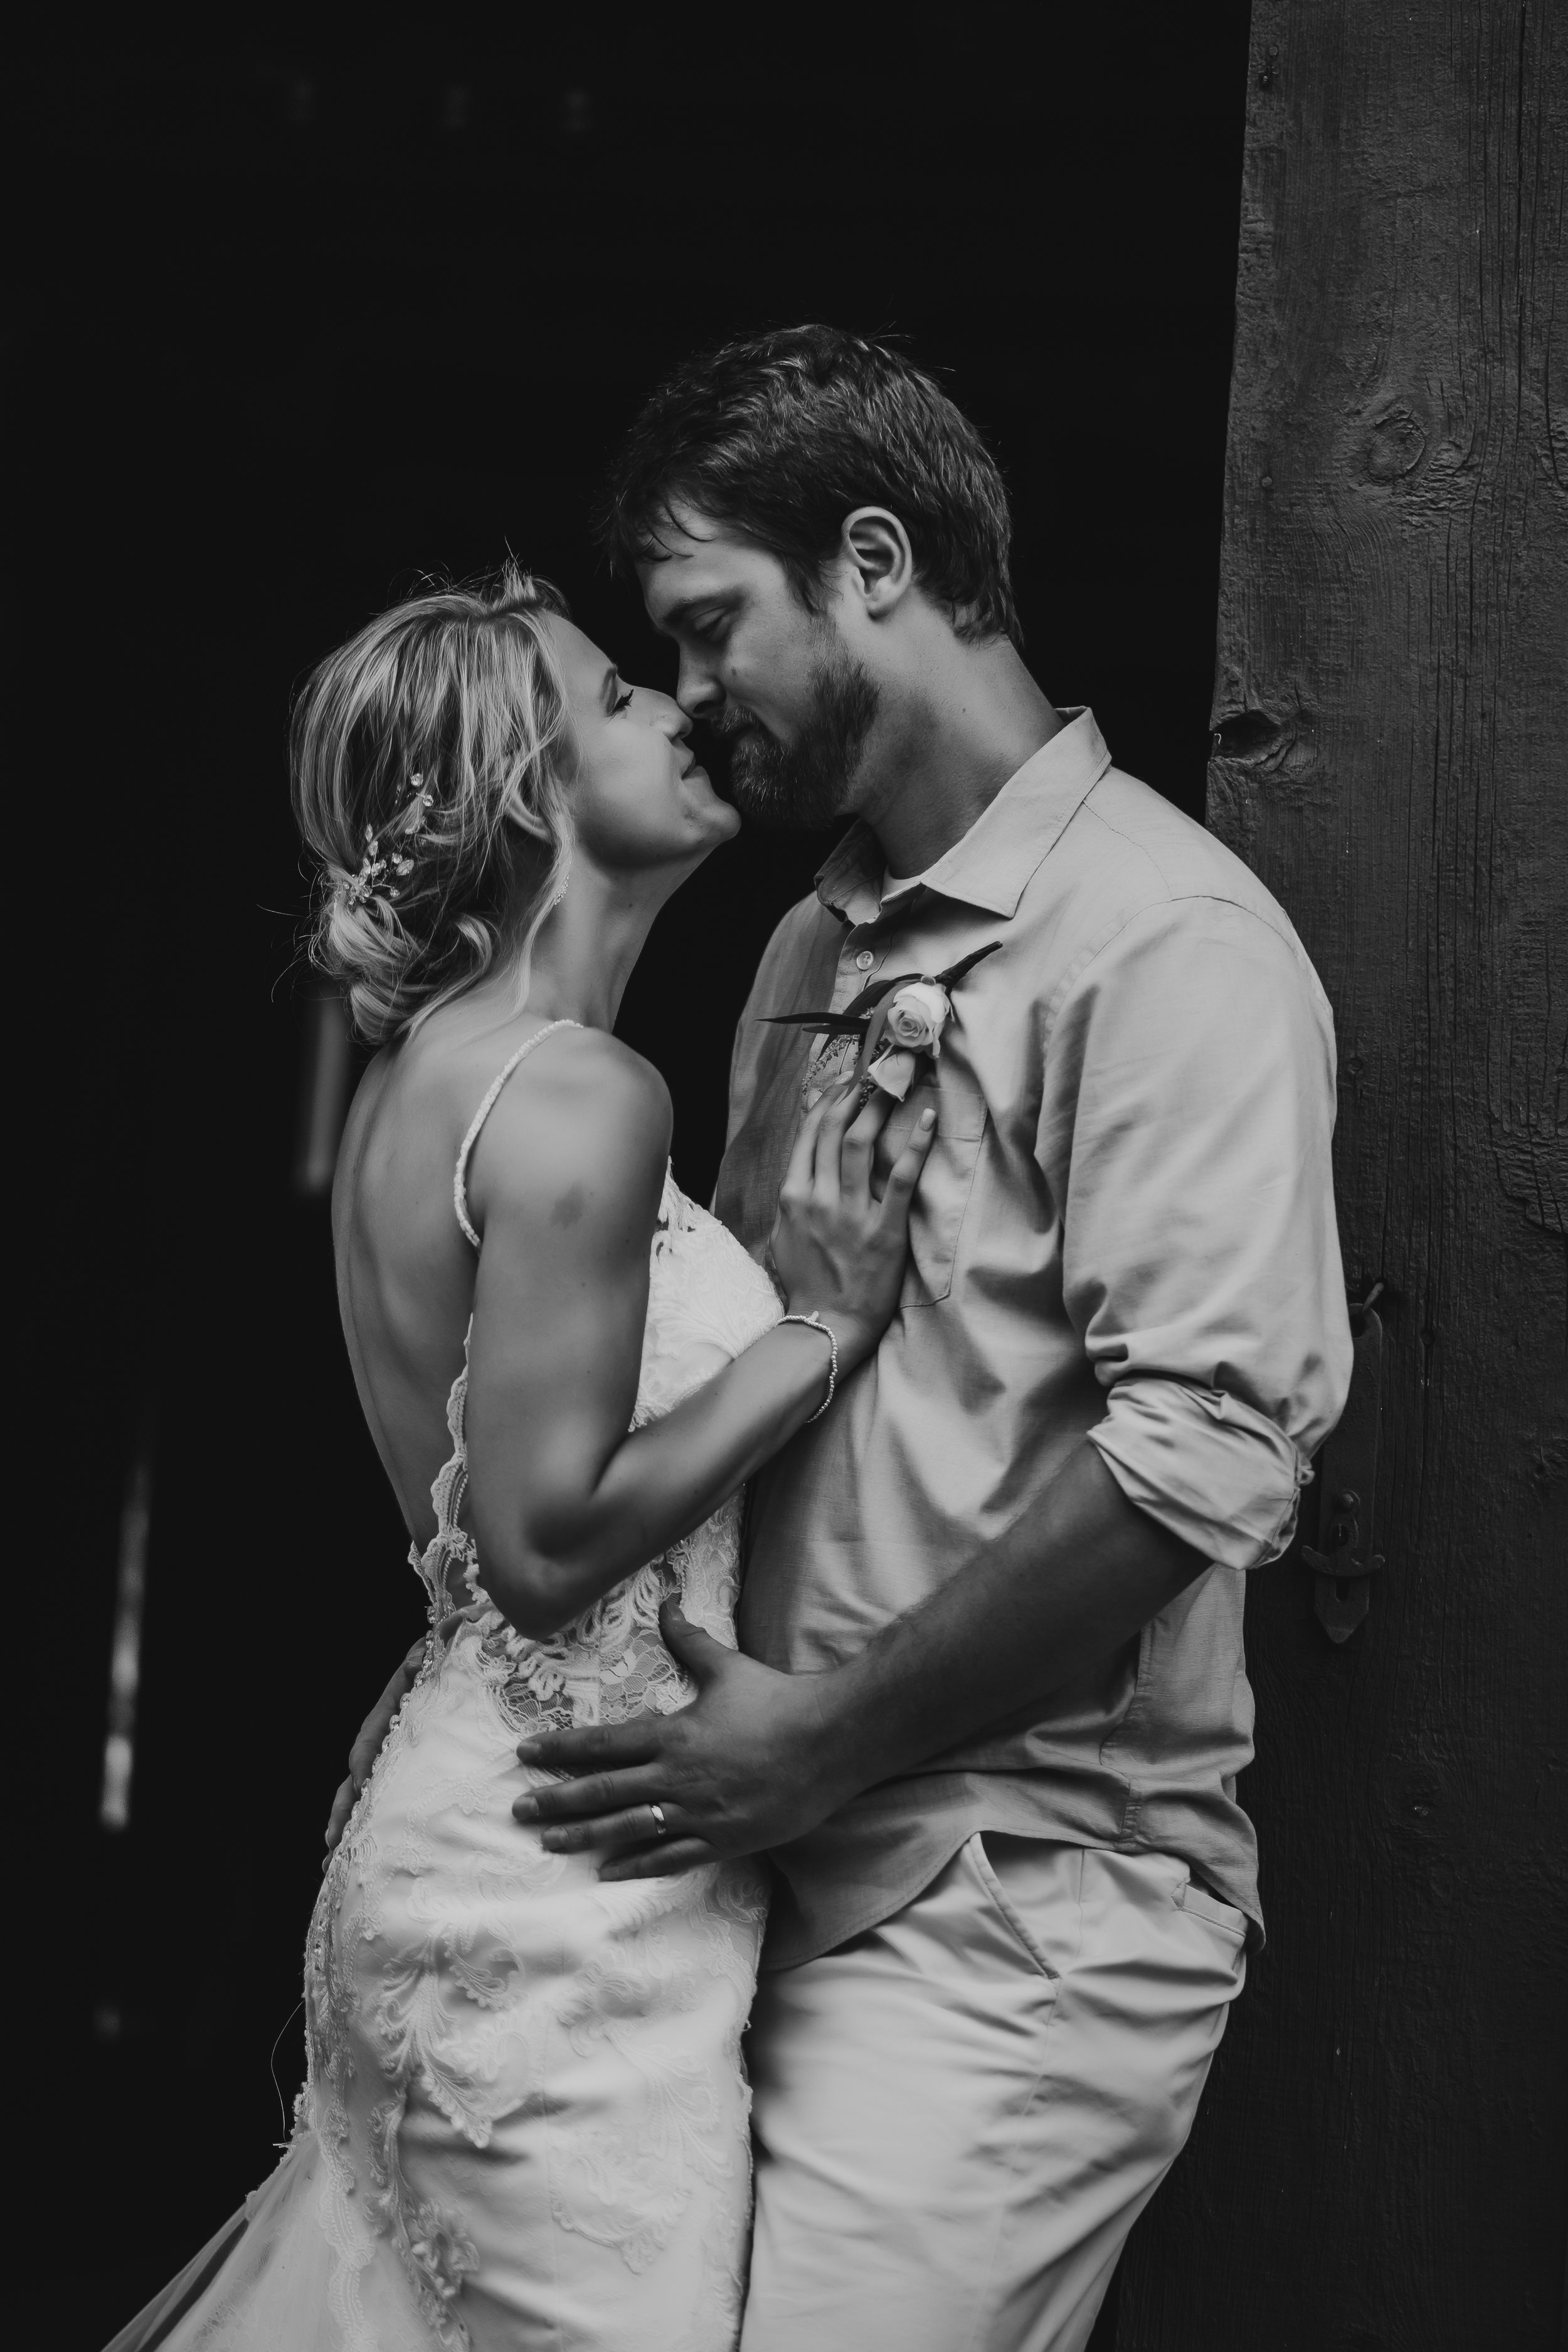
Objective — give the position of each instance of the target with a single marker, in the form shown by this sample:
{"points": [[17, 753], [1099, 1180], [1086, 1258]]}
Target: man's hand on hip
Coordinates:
{"points": [[760, 1758], [745, 1766]]}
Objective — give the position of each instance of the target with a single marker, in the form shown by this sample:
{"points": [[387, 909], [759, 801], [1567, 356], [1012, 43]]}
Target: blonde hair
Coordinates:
{"points": [[429, 748]]}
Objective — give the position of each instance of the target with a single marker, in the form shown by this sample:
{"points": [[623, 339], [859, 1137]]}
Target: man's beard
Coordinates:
{"points": [[800, 787]]}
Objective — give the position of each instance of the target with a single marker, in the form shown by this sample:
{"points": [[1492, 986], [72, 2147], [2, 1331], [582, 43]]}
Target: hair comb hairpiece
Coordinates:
{"points": [[371, 880], [365, 883]]}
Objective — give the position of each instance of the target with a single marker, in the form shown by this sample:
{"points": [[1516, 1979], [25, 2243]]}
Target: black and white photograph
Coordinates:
{"points": [[789, 803]]}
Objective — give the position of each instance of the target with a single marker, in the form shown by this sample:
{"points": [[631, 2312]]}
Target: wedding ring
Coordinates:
{"points": [[660, 1826]]}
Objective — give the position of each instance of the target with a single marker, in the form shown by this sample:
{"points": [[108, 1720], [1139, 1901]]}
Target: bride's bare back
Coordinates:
{"points": [[405, 1269]]}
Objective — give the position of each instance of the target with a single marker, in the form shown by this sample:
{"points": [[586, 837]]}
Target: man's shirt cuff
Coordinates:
{"points": [[1218, 1473]]}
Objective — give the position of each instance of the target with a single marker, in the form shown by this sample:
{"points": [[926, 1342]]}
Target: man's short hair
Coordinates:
{"points": [[781, 435]]}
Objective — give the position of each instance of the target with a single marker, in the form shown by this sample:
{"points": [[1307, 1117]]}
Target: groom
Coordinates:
{"points": [[992, 1704]]}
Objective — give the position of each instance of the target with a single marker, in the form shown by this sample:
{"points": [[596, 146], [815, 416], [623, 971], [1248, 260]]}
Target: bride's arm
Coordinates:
{"points": [[563, 1502]]}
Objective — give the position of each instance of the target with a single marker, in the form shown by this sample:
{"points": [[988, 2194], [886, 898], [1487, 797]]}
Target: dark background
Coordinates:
{"points": [[306, 316]]}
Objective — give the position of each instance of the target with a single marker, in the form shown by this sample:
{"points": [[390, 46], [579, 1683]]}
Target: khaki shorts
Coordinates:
{"points": [[960, 2114]]}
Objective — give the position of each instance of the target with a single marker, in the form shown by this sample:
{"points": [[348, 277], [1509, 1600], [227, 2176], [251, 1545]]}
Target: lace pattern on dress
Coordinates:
{"points": [[434, 1989]]}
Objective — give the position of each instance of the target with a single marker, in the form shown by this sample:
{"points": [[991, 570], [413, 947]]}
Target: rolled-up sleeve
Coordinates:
{"points": [[1185, 1133]]}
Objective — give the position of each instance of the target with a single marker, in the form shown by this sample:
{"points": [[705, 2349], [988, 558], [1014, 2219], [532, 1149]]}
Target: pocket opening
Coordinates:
{"points": [[1208, 1907]]}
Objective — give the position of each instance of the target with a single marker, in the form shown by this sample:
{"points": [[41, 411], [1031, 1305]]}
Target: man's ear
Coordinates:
{"points": [[875, 546]]}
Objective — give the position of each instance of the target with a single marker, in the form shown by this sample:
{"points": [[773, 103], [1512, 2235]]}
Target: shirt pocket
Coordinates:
{"points": [[941, 1196]]}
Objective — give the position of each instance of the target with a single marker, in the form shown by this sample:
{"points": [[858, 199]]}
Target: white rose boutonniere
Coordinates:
{"points": [[917, 1014], [913, 1018], [896, 1021]]}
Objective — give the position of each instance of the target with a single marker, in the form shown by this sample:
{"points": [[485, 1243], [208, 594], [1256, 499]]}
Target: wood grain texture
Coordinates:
{"points": [[1382, 2160]]}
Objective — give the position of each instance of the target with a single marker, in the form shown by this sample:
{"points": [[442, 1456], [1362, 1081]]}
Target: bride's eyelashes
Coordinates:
{"points": [[622, 701]]}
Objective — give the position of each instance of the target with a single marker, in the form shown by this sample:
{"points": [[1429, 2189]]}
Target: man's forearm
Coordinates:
{"points": [[760, 1757], [1054, 1597]]}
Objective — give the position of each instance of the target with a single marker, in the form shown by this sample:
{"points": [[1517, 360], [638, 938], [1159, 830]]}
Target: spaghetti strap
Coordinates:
{"points": [[460, 1176]]}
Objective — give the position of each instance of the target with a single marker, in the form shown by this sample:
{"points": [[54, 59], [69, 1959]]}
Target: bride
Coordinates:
{"points": [[524, 2122]]}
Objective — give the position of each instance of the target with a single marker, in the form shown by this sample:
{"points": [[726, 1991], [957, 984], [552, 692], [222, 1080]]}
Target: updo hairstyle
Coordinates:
{"points": [[425, 757]]}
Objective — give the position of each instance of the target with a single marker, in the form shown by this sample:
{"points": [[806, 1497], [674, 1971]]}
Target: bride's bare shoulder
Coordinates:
{"points": [[585, 1115]]}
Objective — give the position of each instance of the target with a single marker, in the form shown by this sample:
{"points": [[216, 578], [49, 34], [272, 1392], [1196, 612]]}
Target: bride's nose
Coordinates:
{"points": [[672, 720]]}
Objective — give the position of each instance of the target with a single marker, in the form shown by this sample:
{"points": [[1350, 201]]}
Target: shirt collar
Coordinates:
{"points": [[991, 864]]}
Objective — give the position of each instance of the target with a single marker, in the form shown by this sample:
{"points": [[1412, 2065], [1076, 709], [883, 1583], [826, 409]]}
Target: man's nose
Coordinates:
{"points": [[696, 690]]}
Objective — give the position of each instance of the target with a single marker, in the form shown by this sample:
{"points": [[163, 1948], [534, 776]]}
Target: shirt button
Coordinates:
{"points": [[864, 960]]}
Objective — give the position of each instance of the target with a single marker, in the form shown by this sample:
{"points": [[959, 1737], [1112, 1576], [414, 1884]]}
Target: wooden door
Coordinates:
{"points": [[1383, 2157]]}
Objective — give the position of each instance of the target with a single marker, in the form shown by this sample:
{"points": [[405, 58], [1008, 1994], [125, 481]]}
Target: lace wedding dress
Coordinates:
{"points": [[525, 2118]]}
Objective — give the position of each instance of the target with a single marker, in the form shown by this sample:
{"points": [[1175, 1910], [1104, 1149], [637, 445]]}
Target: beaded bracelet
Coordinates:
{"points": [[814, 1322]]}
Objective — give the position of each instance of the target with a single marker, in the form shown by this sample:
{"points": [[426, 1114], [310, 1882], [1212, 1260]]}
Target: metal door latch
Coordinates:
{"points": [[1347, 1471]]}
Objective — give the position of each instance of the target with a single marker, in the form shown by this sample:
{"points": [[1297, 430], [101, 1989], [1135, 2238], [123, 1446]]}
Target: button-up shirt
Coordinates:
{"points": [[1125, 1233]]}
